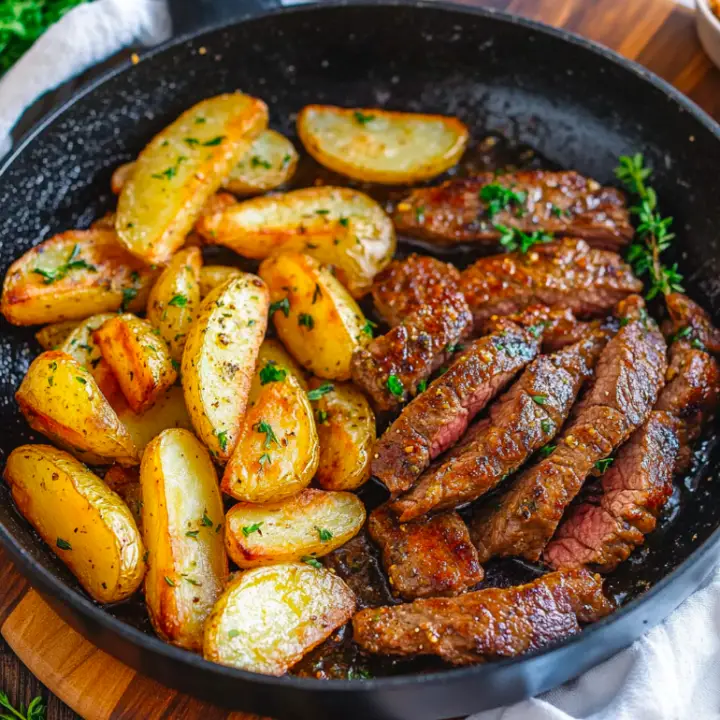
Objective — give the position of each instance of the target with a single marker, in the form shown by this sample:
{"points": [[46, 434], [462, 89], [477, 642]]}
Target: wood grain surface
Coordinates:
{"points": [[657, 33]]}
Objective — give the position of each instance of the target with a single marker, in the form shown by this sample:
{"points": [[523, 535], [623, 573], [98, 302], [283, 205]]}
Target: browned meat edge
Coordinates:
{"points": [[627, 381], [690, 322], [430, 558], [566, 273], [486, 624], [565, 203], [527, 417]]}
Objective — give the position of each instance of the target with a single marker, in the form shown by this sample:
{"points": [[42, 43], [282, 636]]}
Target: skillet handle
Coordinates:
{"points": [[191, 15]]}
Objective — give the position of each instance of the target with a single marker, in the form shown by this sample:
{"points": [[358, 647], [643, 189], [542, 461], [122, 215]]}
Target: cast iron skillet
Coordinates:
{"points": [[579, 105]]}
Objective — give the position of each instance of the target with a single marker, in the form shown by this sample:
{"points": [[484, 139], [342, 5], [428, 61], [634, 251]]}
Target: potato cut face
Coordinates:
{"points": [[219, 360], [270, 162], [184, 535], [175, 299], [269, 617], [72, 276], [85, 523], [139, 359], [310, 524], [212, 276], [346, 430], [180, 169], [61, 399], [380, 146], [52, 336], [277, 452], [273, 353], [338, 226], [315, 317]]}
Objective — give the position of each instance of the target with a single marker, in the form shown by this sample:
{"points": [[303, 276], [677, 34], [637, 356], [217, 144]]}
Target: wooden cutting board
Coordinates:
{"points": [[657, 33]]}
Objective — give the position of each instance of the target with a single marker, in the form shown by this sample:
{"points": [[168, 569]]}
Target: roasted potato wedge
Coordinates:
{"points": [[72, 276], [85, 523], [211, 276], [175, 299], [277, 452], [52, 336], [310, 524], [126, 483], [272, 352], [120, 176], [180, 169], [219, 360], [315, 317], [269, 617], [337, 226], [183, 529], [346, 429], [139, 359], [381, 146], [61, 399]]}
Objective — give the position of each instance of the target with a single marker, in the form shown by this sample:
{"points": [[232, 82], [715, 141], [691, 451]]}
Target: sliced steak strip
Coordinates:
{"points": [[486, 624], [689, 321], [438, 417], [411, 351], [566, 273], [606, 528], [406, 285], [527, 417], [627, 381], [466, 211], [430, 558]]}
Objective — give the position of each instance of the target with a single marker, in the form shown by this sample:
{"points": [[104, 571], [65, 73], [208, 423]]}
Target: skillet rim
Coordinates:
{"points": [[83, 606]]}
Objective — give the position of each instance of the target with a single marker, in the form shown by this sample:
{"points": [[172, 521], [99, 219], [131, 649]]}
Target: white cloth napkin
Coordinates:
{"points": [[673, 673]]}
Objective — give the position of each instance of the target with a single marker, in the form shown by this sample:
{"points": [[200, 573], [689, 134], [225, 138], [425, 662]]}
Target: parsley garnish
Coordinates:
{"points": [[192, 534], [205, 520], [256, 161], [270, 436], [169, 581], [318, 392], [254, 528], [222, 439], [422, 386], [395, 386], [128, 295], [513, 239], [178, 301], [322, 417], [344, 221], [63, 544], [313, 562], [171, 172], [546, 426], [498, 198], [323, 534], [317, 294], [362, 118], [539, 399], [603, 465], [272, 373], [420, 214], [282, 305], [547, 450], [264, 459], [72, 263], [215, 141], [369, 327], [306, 320]]}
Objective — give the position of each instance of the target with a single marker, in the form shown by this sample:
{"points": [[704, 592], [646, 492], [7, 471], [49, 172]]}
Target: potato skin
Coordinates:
{"points": [[311, 523], [175, 299], [52, 336], [180, 169], [337, 226], [83, 522], [117, 281], [139, 359], [219, 360], [381, 146], [347, 432], [183, 529], [269, 617], [211, 276], [126, 483], [61, 399], [321, 325]]}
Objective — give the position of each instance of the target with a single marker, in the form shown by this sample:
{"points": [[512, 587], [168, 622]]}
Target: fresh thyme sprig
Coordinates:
{"points": [[653, 231], [35, 710]]}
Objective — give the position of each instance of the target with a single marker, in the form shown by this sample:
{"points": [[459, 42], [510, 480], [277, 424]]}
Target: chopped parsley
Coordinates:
{"points": [[546, 426], [192, 534], [215, 141], [422, 386], [361, 118], [256, 161], [72, 263], [272, 373], [222, 439], [254, 528], [128, 295], [344, 221], [178, 301], [282, 305], [264, 459], [306, 320], [313, 562], [170, 582], [170, 172], [369, 327], [547, 450], [513, 239], [206, 521], [539, 399], [63, 544], [323, 534], [420, 214], [498, 198], [603, 465], [395, 386], [264, 427], [318, 392], [321, 417]]}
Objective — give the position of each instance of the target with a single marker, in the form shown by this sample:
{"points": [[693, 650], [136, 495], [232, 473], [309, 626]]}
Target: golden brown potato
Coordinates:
{"points": [[180, 169], [337, 226], [139, 359], [277, 452], [219, 360], [52, 336], [120, 176], [272, 352], [269, 617], [310, 524], [175, 299], [211, 276], [72, 276], [315, 317], [61, 399], [126, 483], [85, 524], [381, 146], [182, 525], [106, 222], [346, 429]]}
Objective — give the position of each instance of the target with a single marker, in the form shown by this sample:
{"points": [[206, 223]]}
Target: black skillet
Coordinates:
{"points": [[579, 105]]}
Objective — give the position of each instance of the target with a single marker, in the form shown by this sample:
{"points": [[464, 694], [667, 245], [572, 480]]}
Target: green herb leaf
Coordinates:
{"points": [[215, 141], [318, 392], [603, 465], [35, 710], [128, 295], [539, 399], [547, 450], [422, 386], [72, 263], [222, 440], [205, 521], [178, 301], [361, 118], [192, 534], [233, 634], [313, 562], [546, 426], [395, 386], [254, 528], [498, 198], [282, 305], [170, 582], [306, 320], [323, 534], [369, 327], [63, 544], [513, 239], [272, 373], [256, 161], [270, 436], [321, 417]]}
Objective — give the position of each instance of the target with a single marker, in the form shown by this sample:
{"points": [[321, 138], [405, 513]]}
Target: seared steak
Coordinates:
{"points": [[392, 366], [406, 285], [627, 381], [438, 417], [691, 322], [527, 417], [566, 273], [428, 558], [469, 210], [607, 527], [486, 624]]}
